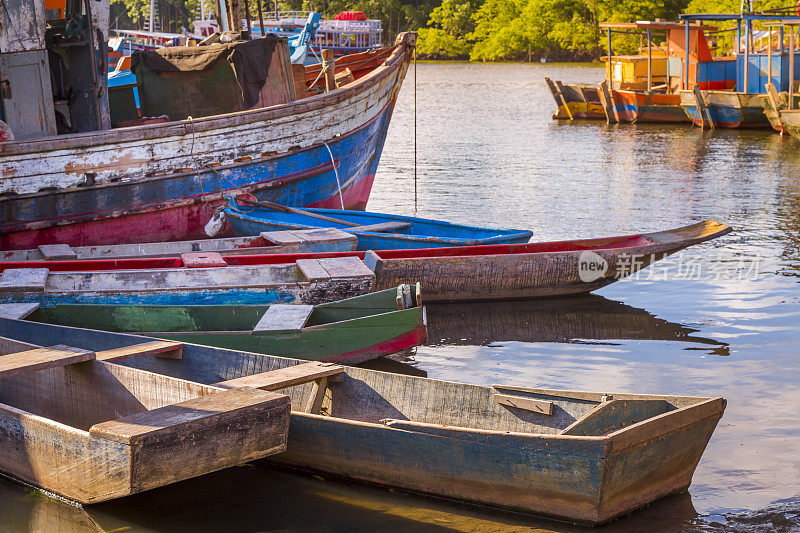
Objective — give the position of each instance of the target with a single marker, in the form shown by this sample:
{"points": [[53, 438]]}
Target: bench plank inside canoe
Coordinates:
{"points": [[41, 358], [284, 377]]}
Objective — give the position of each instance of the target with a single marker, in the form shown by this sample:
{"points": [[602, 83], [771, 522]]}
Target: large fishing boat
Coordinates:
{"points": [[69, 177]]}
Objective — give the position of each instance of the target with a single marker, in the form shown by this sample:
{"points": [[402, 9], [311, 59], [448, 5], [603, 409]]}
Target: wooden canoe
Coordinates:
{"points": [[199, 280], [74, 424], [575, 101], [375, 231], [473, 273], [348, 331], [272, 242], [579, 456]]}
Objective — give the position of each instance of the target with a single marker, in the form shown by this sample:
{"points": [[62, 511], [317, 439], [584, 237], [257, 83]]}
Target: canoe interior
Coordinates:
{"points": [[251, 222], [371, 396], [84, 394], [204, 318]]}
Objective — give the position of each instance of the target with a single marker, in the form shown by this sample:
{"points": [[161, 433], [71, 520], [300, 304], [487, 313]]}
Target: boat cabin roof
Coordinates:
{"points": [[652, 25]]}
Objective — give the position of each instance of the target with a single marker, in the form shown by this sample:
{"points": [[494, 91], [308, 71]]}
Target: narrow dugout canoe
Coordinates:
{"points": [[272, 242], [579, 456], [474, 273], [348, 331], [376, 231], [74, 424], [202, 280]]}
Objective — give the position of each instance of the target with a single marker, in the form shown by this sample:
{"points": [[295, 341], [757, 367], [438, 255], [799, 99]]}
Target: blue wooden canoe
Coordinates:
{"points": [[403, 232]]}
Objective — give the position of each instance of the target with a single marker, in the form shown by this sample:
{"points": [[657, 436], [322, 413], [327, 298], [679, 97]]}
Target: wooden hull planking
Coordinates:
{"points": [[539, 274], [275, 242], [308, 282], [593, 458], [638, 106], [729, 109], [96, 431], [791, 122], [579, 101], [145, 183]]}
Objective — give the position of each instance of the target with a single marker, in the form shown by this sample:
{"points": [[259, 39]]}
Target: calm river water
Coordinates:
{"points": [[721, 319]]}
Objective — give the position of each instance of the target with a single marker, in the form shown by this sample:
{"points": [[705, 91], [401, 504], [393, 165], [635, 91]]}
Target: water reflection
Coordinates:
{"points": [[582, 319]]}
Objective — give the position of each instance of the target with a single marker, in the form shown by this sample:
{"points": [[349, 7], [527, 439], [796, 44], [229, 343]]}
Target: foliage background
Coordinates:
{"points": [[479, 30]]}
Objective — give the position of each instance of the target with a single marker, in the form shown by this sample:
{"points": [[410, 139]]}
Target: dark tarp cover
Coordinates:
{"points": [[250, 61]]}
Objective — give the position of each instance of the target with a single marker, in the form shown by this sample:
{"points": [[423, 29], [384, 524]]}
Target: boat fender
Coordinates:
{"points": [[214, 225]]}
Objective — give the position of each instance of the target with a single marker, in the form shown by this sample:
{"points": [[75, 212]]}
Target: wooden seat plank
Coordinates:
{"points": [[24, 279], [176, 418], [284, 317], [312, 270], [345, 267], [284, 377], [382, 227], [520, 402], [57, 251], [41, 358], [165, 349], [203, 260], [17, 311], [280, 237]]}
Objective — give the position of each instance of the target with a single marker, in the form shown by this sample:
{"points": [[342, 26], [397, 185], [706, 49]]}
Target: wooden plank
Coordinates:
{"points": [[41, 358], [560, 90], [312, 270], [57, 251], [382, 227], [608, 103], [317, 396], [529, 404], [705, 113], [165, 349], [281, 237], [284, 377], [615, 414], [171, 421], [23, 279], [284, 317], [345, 267], [774, 98], [17, 311], [203, 260]]}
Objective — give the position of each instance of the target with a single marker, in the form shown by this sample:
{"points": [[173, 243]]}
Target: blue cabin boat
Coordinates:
{"points": [[375, 231]]}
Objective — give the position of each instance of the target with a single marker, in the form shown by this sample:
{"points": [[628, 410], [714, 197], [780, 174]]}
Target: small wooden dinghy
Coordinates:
{"points": [[269, 242], [348, 331], [580, 456], [74, 424], [195, 279], [375, 231]]}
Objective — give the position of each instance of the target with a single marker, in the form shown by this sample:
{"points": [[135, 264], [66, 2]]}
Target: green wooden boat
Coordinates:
{"points": [[347, 331]]}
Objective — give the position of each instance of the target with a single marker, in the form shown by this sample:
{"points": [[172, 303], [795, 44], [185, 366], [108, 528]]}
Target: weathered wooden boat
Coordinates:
{"points": [[774, 102], [575, 101], [202, 280], [471, 273], [271, 242], [790, 120], [161, 182], [375, 231], [580, 456], [348, 331], [533, 270], [725, 109], [74, 424], [640, 106]]}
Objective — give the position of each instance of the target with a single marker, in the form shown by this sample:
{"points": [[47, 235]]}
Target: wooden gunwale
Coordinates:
{"points": [[185, 127]]}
